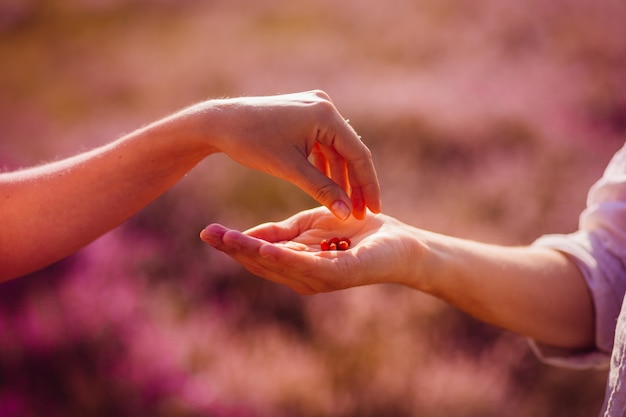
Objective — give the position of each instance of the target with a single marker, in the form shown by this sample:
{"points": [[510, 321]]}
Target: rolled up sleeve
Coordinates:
{"points": [[599, 249]]}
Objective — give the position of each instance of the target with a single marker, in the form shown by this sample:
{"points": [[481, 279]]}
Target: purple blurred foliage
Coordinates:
{"points": [[486, 120]]}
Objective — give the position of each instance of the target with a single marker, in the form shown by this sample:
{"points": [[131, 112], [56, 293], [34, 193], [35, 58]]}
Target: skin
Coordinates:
{"points": [[299, 137], [510, 287]]}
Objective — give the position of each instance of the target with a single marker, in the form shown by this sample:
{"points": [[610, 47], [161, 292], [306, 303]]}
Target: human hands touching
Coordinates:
{"points": [[288, 252], [300, 138]]}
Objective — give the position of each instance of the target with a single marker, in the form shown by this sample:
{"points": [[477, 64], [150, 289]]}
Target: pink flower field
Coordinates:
{"points": [[487, 120]]}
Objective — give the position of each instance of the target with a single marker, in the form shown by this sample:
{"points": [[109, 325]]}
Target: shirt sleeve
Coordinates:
{"points": [[599, 249]]}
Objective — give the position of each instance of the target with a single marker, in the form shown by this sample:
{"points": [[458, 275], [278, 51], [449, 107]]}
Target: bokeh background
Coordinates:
{"points": [[487, 120]]}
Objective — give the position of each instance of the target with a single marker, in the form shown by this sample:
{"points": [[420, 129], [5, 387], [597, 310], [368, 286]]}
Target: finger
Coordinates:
{"points": [[238, 241], [319, 160], [272, 232], [317, 271], [359, 160], [304, 272], [323, 189], [336, 167], [276, 257], [229, 241], [246, 251], [273, 275], [291, 227], [359, 208], [213, 235], [284, 230], [364, 194]]}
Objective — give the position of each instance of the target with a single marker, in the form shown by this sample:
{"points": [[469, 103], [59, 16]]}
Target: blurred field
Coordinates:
{"points": [[487, 120]]}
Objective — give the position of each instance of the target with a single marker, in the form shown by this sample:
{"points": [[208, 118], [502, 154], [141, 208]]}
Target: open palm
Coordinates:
{"points": [[289, 252]]}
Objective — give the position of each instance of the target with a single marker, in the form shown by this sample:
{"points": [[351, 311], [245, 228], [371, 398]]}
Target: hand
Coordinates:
{"points": [[303, 139], [289, 252]]}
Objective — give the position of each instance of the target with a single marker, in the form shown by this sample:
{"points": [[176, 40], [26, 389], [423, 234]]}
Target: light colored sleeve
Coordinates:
{"points": [[599, 249]]}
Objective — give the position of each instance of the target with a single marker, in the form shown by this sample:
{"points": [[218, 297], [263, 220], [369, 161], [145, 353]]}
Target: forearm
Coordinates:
{"points": [[532, 291], [52, 210], [535, 292]]}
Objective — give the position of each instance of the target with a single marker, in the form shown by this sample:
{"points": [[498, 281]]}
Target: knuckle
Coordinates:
{"points": [[361, 163], [321, 94], [325, 108], [324, 192]]}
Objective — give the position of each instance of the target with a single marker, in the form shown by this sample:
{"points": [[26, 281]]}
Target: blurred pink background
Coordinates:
{"points": [[487, 120]]}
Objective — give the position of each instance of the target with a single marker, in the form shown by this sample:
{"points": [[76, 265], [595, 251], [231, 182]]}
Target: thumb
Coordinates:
{"points": [[324, 190]]}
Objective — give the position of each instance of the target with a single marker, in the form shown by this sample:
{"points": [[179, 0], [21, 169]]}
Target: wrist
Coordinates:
{"points": [[428, 260], [200, 127]]}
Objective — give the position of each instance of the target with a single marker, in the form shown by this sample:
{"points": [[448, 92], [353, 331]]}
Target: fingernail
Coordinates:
{"points": [[340, 209]]}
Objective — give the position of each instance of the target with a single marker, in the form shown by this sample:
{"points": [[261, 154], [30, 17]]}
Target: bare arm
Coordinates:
{"points": [[531, 291], [50, 211], [537, 292], [47, 212]]}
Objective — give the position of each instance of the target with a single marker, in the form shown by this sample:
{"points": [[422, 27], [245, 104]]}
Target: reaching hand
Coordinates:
{"points": [[289, 252], [303, 139]]}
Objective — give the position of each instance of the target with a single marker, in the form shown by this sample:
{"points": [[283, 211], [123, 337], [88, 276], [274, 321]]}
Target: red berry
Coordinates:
{"points": [[335, 243]]}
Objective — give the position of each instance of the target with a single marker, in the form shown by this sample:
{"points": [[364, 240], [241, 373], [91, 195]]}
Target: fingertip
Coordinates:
{"points": [[213, 232], [370, 197], [377, 207], [359, 215]]}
